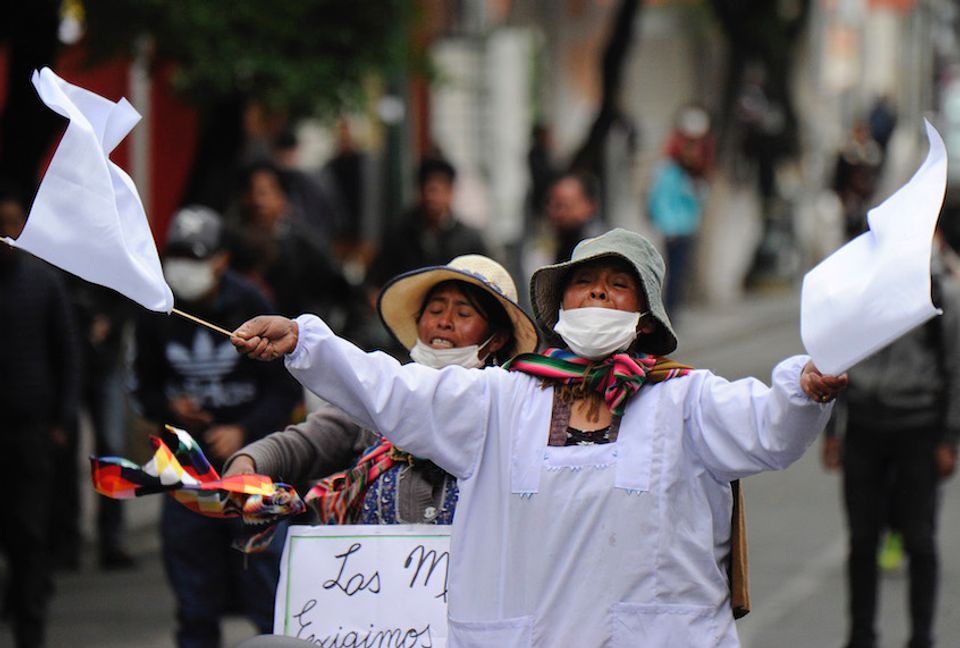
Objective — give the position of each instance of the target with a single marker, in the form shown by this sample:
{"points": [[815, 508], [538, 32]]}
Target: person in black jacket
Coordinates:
{"points": [[894, 433], [278, 248], [430, 233], [191, 378], [39, 397]]}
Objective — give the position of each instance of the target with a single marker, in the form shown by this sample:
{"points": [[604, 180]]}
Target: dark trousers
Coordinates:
{"points": [[106, 402], [211, 579], [678, 253], [63, 532], [26, 452], [891, 476]]}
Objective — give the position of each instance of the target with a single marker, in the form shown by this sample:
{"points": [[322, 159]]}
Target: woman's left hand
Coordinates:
{"points": [[818, 387]]}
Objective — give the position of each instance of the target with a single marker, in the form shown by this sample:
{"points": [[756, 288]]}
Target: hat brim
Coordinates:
{"points": [[401, 301], [546, 294]]}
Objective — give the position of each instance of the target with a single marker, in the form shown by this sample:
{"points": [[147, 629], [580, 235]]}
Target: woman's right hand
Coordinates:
{"points": [[241, 465], [266, 337]]}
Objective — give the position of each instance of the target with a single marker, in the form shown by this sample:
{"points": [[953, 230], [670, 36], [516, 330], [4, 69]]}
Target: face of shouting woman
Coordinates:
{"points": [[450, 321]]}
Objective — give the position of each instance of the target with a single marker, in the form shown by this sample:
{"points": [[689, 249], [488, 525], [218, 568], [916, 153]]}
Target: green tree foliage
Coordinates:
{"points": [[295, 58], [298, 56]]}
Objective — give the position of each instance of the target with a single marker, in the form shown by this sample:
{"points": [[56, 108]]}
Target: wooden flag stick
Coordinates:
{"points": [[192, 318]]}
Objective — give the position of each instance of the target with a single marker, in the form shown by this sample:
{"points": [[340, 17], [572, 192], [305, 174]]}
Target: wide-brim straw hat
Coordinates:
{"points": [[548, 283], [401, 300]]}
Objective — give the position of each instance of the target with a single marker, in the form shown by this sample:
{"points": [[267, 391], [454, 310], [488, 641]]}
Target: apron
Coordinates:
{"points": [[592, 517]]}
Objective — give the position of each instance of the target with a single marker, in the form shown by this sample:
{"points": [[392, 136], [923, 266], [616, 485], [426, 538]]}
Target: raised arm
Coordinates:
{"points": [[439, 415], [744, 427]]}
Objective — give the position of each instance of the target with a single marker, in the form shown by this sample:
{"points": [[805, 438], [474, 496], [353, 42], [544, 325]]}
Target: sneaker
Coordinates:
{"points": [[890, 558]]}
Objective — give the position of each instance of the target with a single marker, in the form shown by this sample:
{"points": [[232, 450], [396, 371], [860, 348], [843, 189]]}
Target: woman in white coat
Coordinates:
{"points": [[595, 478]]}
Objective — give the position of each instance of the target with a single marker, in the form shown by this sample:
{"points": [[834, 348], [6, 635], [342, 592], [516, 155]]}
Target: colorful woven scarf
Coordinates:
{"points": [[179, 467], [337, 499], [616, 378]]}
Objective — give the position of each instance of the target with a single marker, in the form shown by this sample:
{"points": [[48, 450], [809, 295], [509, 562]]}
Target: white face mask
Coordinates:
{"points": [[595, 333], [189, 279], [465, 356]]}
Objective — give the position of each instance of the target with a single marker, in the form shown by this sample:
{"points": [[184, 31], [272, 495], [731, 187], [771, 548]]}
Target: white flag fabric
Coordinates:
{"points": [[877, 287], [87, 217]]}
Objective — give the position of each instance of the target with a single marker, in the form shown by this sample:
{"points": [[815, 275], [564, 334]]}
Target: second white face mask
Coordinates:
{"points": [[189, 279], [466, 356], [595, 333]]}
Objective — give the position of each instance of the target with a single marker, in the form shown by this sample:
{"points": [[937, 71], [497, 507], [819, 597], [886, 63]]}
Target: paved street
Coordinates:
{"points": [[795, 531], [795, 520]]}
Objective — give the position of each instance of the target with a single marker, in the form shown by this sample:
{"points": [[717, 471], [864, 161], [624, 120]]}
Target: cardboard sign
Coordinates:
{"points": [[364, 586]]}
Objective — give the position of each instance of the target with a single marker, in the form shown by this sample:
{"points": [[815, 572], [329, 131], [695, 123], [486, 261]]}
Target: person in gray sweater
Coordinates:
{"points": [[463, 313], [894, 433]]}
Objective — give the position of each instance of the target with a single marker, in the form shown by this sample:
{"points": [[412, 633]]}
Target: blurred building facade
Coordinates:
{"points": [[501, 66]]}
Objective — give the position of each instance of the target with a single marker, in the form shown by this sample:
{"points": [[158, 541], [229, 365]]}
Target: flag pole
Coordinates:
{"points": [[192, 318]]}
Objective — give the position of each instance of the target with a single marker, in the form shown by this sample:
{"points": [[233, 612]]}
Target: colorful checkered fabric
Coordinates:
{"points": [[616, 378], [337, 499], [179, 467]]}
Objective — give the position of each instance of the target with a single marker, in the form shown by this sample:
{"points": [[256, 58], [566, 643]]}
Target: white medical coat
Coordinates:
{"points": [[622, 544]]}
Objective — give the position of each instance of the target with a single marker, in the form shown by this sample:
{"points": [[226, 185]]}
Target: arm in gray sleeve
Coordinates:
{"points": [[326, 442]]}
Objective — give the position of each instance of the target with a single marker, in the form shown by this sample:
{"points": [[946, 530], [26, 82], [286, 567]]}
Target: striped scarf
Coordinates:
{"points": [[616, 378], [337, 499]]}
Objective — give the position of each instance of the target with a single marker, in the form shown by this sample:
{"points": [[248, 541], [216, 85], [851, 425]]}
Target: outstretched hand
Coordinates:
{"points": [[819, 387], [266, 337]]}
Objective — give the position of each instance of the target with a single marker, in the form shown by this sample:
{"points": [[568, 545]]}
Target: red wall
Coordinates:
{"points": [[173, 128]]}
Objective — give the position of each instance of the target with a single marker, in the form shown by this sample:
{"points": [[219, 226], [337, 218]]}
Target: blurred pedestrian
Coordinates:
{"points": [[103, 316], [855, 177], [345, 171], [38, 399], [429, 233], [271, 245], [894, 433], [572, 212], [541, 166], [185, 376], [678, 192], [882, 121], [307, 198]]}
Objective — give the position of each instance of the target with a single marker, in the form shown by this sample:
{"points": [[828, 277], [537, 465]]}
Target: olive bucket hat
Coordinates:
{"points": [[547, 285], [401, 300]]}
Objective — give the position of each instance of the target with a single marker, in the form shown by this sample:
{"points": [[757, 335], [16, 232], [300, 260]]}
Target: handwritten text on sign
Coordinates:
{"points": [[365, 586]]}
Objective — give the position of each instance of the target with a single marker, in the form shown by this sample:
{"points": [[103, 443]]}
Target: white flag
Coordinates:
{"points": [[87, 217], [877, 287]]}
